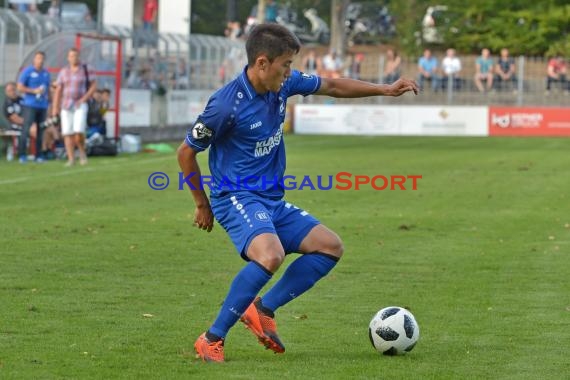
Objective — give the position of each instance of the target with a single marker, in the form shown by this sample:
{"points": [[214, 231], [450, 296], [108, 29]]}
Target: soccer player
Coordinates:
{"points": [[242, 125]]}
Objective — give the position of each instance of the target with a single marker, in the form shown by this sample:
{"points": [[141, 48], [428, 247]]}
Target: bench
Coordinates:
{"points": [[10, 135]]}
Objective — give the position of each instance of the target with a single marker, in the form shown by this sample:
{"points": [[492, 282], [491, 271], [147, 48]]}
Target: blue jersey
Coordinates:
{"points": [[32, 78], [245, 133]]}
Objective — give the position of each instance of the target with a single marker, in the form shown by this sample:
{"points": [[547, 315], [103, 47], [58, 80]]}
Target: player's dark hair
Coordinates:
{"points": [[272, 40]]}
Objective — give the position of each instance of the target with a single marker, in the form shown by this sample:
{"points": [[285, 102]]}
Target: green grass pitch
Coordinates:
{"points": [[103, 278]]}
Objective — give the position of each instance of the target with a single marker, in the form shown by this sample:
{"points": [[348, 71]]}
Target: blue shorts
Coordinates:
{"points": [[245, 216]]}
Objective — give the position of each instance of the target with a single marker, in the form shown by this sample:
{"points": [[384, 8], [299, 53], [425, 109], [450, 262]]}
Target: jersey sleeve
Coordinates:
{"points": [[302, 84], [212, 123], [24, 76]]}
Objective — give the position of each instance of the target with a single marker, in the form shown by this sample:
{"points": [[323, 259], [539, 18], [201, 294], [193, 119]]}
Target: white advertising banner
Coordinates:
{"points": [[390, 120], [444, 121], [346, 119], [135, 108], [183, 106]]}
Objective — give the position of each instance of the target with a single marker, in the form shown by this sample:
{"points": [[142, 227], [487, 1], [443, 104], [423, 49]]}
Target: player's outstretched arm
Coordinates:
{"points": [[203, 216], [352, 88]]}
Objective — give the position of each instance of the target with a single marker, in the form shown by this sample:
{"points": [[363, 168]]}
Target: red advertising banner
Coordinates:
{"points": [[529, 121]]}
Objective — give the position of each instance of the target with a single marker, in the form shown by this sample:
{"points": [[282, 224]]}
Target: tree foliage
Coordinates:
{"points": [[524, 26]]}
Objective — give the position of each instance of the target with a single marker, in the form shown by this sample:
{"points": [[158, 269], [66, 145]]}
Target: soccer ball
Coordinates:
{"points": [[393, 331]]}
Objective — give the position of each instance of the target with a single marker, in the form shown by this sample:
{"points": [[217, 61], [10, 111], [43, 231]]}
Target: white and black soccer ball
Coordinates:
{"points": [[393, 331]]}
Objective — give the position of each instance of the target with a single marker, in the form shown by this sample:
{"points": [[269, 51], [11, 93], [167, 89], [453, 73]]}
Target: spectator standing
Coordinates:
{"points": [[484, 70], [75, 85], [556, 73], [451, 66], [392, 66], [427, 66], [505, 70], [34, 83], [150, 10]]}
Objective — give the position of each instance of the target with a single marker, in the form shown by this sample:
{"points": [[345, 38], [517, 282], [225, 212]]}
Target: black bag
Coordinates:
{"points": [[107, 148]]}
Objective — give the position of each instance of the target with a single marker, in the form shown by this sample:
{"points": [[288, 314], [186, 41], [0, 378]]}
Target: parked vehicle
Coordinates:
{"points": [[311, 29], [435, 23], [74, 16], [368, 23]]}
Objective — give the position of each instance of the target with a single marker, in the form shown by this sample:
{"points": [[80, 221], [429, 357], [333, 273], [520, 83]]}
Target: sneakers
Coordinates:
{"points": [[263, 327], [209, 351]]}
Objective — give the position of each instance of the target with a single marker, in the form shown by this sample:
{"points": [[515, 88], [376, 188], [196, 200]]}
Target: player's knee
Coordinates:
{"points": [[337, 247], [272, 261], [333, 246]]}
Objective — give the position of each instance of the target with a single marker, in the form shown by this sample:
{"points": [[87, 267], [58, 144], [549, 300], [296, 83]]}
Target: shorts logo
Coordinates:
{"points": [[200, 131], [262, 216]]}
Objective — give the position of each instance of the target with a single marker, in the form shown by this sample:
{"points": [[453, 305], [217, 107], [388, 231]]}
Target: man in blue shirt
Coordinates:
{"points": [[427, 66], [484, 70], [242, 125], [34, 83]]}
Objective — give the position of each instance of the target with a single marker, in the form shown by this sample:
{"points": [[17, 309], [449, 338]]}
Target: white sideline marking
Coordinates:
{"points": [[68, 171]]}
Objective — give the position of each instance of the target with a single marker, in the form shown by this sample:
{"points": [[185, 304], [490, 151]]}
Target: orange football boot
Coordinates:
{"points": [[209, 351], [263, 327]]}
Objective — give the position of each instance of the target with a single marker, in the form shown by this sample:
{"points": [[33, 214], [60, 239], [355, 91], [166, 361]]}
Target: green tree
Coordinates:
{"points": [[523, 26]]}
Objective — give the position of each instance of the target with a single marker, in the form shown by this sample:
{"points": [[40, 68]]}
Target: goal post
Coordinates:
{"points": [[103, 53]]}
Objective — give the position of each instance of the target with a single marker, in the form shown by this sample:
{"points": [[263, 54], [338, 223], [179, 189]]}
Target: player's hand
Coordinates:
{"points": [[403, 85], [204, 218]]}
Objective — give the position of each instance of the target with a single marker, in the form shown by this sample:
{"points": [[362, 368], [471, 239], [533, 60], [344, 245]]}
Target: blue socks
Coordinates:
{"points": [[243, 290], [299, 277]]}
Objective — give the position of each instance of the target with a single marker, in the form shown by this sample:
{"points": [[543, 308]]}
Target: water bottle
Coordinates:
{"points": [[10, 153], [39, 96]]}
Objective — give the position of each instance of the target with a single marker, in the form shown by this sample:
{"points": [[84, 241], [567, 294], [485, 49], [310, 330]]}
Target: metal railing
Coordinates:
{"points": [[164, 62]]}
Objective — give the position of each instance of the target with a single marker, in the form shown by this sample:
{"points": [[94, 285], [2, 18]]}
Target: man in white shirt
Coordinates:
{"points": [[451, 66]]}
